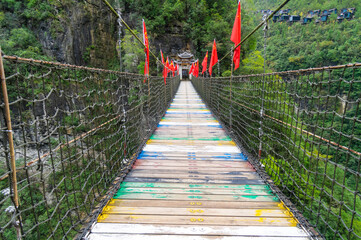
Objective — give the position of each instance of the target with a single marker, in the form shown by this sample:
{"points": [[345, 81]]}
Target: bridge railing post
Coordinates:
{"points": [[165, 96], [9, 131], [263, 91], [218, 98], [149, 104], [210, 92], [125, 108], [230, 93]]}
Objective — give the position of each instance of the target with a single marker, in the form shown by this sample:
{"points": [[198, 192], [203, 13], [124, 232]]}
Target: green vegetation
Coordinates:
{"points": [[16, 19], [313, 45], [318, 178], [299, 46]]}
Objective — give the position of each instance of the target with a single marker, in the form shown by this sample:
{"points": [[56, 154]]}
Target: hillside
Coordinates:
{"points": [[298, 46]]}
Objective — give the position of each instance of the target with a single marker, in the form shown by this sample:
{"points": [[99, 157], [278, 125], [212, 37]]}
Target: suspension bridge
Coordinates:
{"points": [[192, 182], [90, 153]]}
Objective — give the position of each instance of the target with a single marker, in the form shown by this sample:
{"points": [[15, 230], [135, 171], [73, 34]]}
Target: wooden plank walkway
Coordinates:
{"points": [[192, 182]]}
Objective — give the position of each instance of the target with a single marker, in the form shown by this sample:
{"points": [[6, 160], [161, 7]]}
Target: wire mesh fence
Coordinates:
{"points": [[303, 128], [76, 130]]}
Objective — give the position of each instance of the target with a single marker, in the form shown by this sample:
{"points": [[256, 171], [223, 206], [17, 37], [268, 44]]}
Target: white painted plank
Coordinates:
{"points": [[197, 230], [190, 123], [208, 149], [178, 237]]}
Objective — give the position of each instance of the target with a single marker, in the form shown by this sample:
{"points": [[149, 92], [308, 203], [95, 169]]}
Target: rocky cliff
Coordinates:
{"points": [[82, 34]]}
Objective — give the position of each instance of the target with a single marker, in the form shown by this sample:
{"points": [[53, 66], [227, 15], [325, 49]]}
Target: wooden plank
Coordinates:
{"points": [[210, 119], [195, 180], [177, 153], [197, 211], [189, 156], [190, 110], [195, 197], [195, 158], [189, 168], [199, 137], [193, 163], [199, 160], [107, 236], [196, 191], [193, 203], [196, 186], [192, 155], [197, 220], [249, 231], [204, 172], [188, 116], [194, 175], [202, 129], [237, 155], [192, 142]]}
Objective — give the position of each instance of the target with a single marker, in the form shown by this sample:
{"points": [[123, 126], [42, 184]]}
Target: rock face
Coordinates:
{"points": [[85, 34]]}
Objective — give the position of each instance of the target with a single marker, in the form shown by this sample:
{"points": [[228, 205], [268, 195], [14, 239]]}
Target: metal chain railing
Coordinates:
{"points": [[76, 132], [311, 137]]}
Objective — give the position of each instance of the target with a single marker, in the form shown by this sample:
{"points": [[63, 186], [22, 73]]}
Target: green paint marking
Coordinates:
{"points": [[158, 196], [196, 191], [119, 194], [127, 190], [195, 197], [197, 186], [253, 197], [135, 184], [249, 191], [182, 186]]}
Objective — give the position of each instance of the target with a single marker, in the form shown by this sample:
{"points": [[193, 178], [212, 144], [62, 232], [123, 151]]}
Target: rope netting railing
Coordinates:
{"points": [[76, 132], [303, 129]]}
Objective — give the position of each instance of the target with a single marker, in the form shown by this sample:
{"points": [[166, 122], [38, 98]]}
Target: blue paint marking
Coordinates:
{"points": [[225, 155], [194, 159], [193, 155], [243, 158]]}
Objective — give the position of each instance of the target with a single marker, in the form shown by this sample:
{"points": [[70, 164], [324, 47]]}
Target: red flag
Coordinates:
{"points": [[176, 69], [196, 69], [214, 58], [172, 67], [146, 50], [167, 66], [161, 53], [164, 69], [236, 37], [192, 69], [204, 63]]}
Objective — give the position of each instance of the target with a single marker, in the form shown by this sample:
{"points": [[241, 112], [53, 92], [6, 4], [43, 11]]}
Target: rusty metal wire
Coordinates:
{"points": [[311, 135], [77, 131]]}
